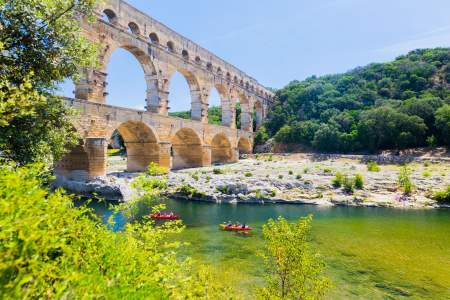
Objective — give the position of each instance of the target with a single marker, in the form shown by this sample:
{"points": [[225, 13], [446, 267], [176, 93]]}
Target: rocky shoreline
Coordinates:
{"points": [[289, 179]]}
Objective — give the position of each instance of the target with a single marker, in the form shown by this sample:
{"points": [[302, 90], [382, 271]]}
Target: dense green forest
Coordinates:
{"points": [[395, 105]]}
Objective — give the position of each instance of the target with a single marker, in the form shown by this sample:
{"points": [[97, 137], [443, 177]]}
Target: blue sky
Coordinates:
{"points": [[277, 41]]}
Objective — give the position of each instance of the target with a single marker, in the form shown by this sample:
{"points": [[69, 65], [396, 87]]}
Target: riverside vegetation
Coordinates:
{"points": [[51, 249]]}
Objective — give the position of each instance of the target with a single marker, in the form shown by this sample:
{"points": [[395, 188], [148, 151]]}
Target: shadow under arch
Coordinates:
{"points": [[245, 146], [141, 144], [187, 149], [221, 150]]}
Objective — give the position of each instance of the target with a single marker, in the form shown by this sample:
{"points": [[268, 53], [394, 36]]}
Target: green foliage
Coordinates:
{"points": [[426, 173], [294, 270], [218, 171], [431, 141], [328, 170], [298, 176], [51, 249], [442, 117], [404, 180], [359, 181], [214, 115], [248, 174], [291, 172], [270, 157], [280, 176], [348, 184], [381, 106], [443, 197], [190, 191], [338, 180], [372, 166], [195, 176], [155, 169], [41, 45], [261, 136]]}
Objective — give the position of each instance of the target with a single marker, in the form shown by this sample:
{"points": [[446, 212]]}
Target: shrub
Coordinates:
{"points": [[155, 169], [306, 170], [404, 180], [443, 197], [338, 180], [426, 173], [359, 181], [298, 176], [270, 158], [349, 184], [273, 193], [248, 174], [280, 176], [372, 166], [291, 172], [327, 170], [218, 171], [294, 270], [52, 250], [195, 176], [190, 191]]}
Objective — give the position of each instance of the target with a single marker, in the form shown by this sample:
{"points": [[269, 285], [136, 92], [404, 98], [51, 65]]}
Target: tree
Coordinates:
{"points": [[294, 269], [443, 123], [261, 136], [41, 45]]}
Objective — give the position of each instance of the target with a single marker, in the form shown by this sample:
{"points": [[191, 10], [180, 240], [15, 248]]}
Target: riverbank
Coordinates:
{"points": [[293, 179]]}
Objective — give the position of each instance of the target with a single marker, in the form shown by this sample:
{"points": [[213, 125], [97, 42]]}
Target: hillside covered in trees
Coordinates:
{"points": [[395, 105]]}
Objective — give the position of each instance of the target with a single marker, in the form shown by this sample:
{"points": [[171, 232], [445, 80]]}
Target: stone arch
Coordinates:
{"points": [[187, 149], [228, 108], [170, 46], [185, 54], [134, 28], [209, 66], [221, 150], [198, 60], [111, 16], [154, 39], [141, 143], [147, 66], [244, 146], [195, 92]]}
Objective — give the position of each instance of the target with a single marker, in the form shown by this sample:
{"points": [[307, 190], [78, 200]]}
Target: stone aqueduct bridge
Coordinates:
{"points": [[151, 135]]}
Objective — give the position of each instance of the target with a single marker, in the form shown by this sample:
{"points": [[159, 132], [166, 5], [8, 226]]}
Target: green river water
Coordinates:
{"points": [[371, 253]]}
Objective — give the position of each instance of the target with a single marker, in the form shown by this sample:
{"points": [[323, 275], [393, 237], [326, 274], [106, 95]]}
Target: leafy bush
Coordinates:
{"points": [[190, 191], [280, 176], [359, 181], [155, 169], [338, 180], [348, 184], [51, 249], [404, 180], [298, 176], [294, 270], [261, 136], [327, 170], [443, 197], [426, 173], [248, 174], [195, 176], [372, 166], [218, 171], [291, 172]]}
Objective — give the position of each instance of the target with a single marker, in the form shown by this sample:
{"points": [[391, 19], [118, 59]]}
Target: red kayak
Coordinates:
{"points": [[164, 217], [234, 228]]}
